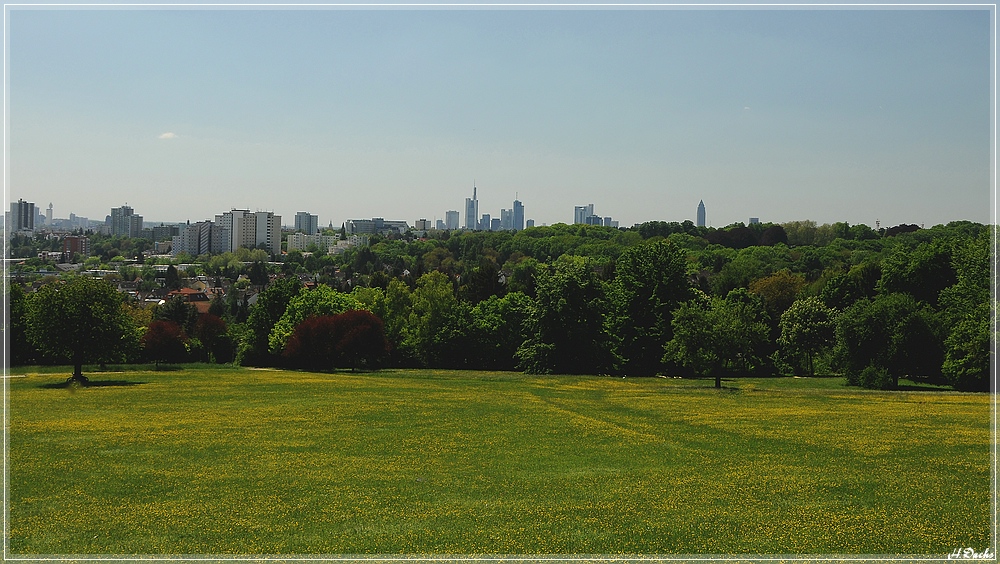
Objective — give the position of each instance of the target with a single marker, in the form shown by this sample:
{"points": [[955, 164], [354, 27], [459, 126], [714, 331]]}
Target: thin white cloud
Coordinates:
{"points": [[168, 135]]}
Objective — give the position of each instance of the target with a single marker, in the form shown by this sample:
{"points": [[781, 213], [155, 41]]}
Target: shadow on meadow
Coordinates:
{"points": [[71, 384]]}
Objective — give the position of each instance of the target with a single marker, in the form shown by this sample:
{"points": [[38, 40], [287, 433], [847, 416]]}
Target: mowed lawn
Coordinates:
{"points": [[228, 461]]}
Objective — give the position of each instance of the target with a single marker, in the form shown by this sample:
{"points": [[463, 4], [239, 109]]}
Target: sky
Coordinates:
{"points": [[857, 115]]}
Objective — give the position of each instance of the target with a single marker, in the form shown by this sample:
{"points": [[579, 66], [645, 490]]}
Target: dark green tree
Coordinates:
{"points": [[436, 333], [499, 327], [21, 350], [650, 282], [263, 315], [178, 310], [569, 330], [968, 309], [172, 279], [83, 321], [695, 344], [922, 272], [892, 333], [258, 274]]}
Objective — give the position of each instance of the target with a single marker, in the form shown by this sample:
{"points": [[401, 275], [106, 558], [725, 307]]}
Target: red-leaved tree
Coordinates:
{"points": [[353, 339], [363, 343], [163, 341]]}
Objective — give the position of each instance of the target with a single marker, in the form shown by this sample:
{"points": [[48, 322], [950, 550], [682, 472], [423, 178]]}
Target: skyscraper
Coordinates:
{"points": [[581, 213], [451, 219], [472, 210], [518, 216], [701, 214], [506, 220]]}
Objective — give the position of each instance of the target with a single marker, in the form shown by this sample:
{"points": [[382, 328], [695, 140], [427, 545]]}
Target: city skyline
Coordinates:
{"points": [[789, 114]]}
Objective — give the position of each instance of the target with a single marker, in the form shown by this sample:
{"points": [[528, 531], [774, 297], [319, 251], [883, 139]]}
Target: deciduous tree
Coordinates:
{"points": [[81, 320], [807, 327], [650, 282], [568, 331]]}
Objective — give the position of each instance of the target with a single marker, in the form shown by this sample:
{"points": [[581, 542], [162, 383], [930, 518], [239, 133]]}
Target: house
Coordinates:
{"points": [[198, 298]]}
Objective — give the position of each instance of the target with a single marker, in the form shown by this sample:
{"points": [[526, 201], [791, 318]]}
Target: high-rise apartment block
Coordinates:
{"points": [[251, 229], [125, 222], [375, 225], [302, 242], [22, 216], [201, 238], [163, 232], [307, 223]]}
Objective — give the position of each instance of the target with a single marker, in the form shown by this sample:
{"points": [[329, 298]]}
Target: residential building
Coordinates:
{"points": [[201, 238], [75, 245], [125, 222], [700, 221], [307, 223], [375, 225], [302, 242], [165, 232], [268, 234], [251, 229], [472, 210], [754, 220], [451, 219], [22, 216]]}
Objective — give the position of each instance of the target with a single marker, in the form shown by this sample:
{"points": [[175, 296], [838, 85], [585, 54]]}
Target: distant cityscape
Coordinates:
{"points": [[238, 228]]}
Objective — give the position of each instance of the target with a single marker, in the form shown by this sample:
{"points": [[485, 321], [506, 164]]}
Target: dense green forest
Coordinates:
{"points": [[660, 298]]}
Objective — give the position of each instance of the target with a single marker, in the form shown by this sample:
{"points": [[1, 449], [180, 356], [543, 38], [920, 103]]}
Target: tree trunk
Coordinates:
{"points": [[78, 376], [718, 381]]}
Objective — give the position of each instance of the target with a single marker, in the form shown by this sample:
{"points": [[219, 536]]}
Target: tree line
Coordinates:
{"points": [[660, 298]]}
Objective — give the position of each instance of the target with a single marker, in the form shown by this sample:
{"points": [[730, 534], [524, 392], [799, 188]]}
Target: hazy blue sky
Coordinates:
{"points": [[782, 114]]}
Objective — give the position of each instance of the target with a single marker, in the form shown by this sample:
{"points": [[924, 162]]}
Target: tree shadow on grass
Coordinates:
{"points": [[71, 384]]}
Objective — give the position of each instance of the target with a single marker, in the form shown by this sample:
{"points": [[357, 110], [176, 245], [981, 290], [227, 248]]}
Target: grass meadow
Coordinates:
{"points": [[233, 461]]}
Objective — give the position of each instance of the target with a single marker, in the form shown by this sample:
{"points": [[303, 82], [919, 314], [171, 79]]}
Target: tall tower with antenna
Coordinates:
{"points": [[472, 210]]}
